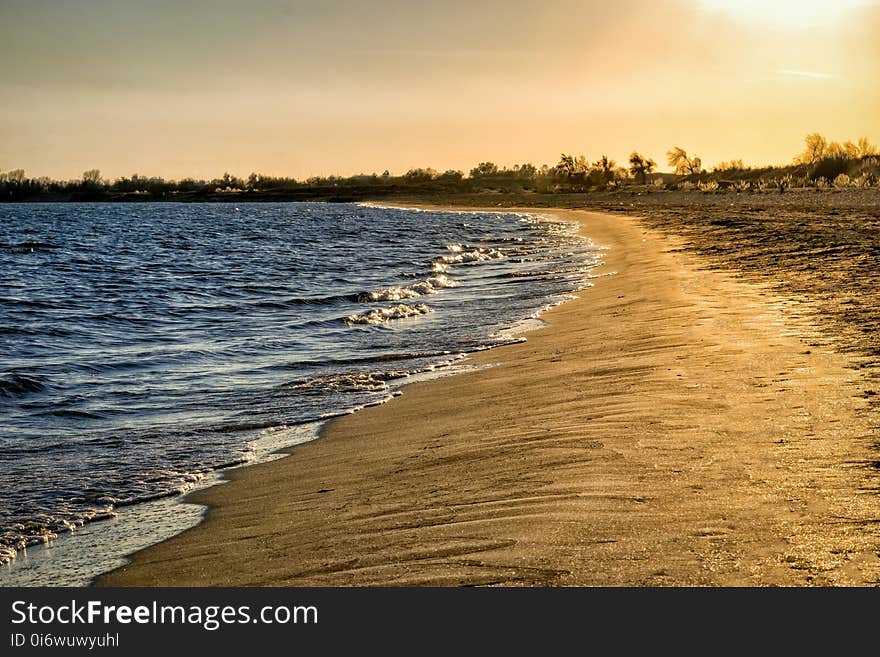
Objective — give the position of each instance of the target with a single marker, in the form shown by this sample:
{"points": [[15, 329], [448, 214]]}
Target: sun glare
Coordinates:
{"points": [[785, 13]]}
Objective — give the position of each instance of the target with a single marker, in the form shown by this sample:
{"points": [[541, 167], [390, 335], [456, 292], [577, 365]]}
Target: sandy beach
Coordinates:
{"points": [[674, 425]]}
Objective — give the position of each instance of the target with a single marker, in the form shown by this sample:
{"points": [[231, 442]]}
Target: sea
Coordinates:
{"points": [[146, 347]]}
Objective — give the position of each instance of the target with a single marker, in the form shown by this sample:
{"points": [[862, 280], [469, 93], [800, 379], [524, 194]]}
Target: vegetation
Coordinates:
{"points": [[732, 165], [641, 167], [818, 149], [821, 165], [682, 164]]}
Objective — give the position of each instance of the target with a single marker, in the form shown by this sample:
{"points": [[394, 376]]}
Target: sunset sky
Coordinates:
{"points": [[330, 87]]}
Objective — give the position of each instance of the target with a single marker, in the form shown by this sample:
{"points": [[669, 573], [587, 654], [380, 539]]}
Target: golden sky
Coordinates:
{"points": [[308, 87]]}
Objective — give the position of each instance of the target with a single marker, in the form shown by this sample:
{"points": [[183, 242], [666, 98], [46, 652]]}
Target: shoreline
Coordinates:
{"points": [[77, 557], [676, 444]]}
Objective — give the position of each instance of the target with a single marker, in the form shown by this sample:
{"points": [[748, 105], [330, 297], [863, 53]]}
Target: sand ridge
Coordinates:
{"points": [[673, 426]]}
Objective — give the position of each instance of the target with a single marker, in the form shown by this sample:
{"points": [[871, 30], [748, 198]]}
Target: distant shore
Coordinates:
{"points": [[673, 426], [638, 195]]}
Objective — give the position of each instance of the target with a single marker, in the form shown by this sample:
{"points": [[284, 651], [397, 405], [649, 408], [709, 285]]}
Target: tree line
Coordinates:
{"points": [[820, 163]]}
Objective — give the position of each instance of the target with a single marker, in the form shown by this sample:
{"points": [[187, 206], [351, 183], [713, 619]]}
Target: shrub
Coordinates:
{"points": [[867, 179], [842, 180], [830, 168]]}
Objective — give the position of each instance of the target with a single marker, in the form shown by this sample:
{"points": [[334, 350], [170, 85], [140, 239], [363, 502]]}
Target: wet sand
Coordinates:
{"points": [[673, 426]]}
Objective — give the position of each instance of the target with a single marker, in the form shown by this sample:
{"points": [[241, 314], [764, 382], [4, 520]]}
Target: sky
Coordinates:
{"points": [[302, 87]]}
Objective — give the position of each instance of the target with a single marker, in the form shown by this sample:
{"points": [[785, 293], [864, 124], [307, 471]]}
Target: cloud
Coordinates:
{"points": [[806, 75]]}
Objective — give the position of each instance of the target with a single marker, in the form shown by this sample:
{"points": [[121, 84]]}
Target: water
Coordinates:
{"points": [[144, 347]]}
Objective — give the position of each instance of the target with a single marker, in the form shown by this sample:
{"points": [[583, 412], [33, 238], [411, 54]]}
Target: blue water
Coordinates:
{"points": [[145, 345]]}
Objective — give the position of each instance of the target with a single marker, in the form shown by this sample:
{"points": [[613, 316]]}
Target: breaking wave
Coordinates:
{"points": [[384, 315], [428, 286], [461, 254]]}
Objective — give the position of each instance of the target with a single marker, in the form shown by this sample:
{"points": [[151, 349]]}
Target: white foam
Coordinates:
{"points": [[75, 558], [392, 294], [428, 286], [442, 280], [473, 255], [383, 315]]}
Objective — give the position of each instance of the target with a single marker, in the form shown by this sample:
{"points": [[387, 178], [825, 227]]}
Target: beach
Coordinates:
{"points": [[674, 425]]}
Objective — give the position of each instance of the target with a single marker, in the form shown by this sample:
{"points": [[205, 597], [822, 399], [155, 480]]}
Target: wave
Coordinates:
{"points": [[58, 446], [29, 247], [428, 286], [83, 415], [20, 535], [384, 315], [248, 306], [389, 294], [462, 253], [381, 358], [348, 382], [18, 385], [35, 303], [308, 301]]}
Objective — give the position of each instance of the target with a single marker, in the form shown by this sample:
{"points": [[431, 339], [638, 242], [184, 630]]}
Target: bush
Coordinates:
{"points": [[842, 180], [830, 168], [865, 180]]}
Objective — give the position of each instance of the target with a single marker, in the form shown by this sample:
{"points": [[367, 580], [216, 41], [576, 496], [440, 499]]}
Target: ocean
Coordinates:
{"points": [[146, 347]]}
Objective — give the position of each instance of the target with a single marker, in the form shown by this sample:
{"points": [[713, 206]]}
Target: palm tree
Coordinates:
{"points": [[566, 165], [573, 169], [640, 166], [684, 165], [604, 167]]}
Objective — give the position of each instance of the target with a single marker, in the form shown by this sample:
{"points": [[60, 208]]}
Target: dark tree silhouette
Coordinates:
{"points": [[641, 167], [684, 165]]}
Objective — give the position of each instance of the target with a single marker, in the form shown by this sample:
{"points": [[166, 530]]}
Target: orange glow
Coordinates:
{"points": [[787, 13], [302, 87]]}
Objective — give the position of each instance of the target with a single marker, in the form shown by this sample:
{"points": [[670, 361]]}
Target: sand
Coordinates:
{"points": [[672, 426]]}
